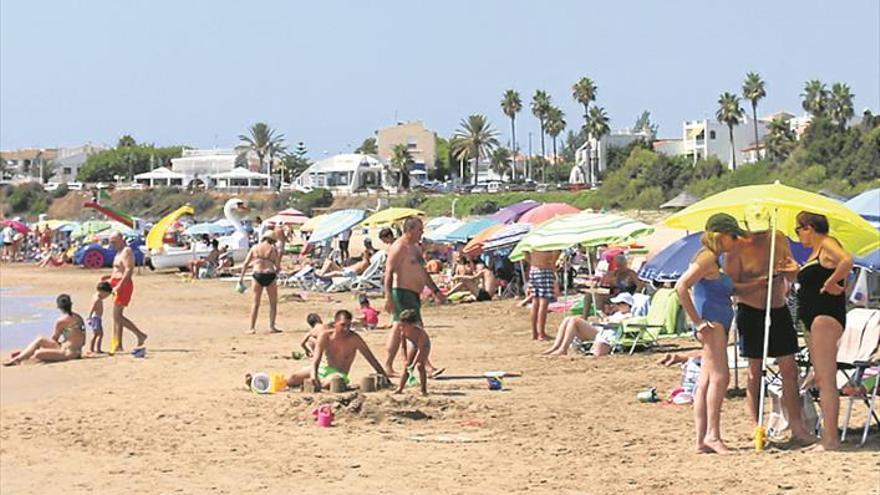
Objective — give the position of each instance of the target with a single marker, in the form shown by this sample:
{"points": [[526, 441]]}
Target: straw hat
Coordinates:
{"points": [[269, 234]]}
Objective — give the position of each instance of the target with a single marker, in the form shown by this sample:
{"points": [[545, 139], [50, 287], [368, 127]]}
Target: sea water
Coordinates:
{"points": [[24, 317]]}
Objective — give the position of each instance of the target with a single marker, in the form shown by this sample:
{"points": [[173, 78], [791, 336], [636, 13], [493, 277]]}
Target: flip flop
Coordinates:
{"points": [[437, 373]]}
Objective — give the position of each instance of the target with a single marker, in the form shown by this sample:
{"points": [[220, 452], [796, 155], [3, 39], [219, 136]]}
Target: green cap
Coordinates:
{"points": [[723, 223]]}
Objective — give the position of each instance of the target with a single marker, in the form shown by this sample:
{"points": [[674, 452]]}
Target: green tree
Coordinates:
{"points": [[780, 140], [840, 104], [512, 105], [555, 126], [264, 141], [643, 124], [730, 113], [368, 147], [105, 165], [584, 92], [815, 98], [501, 161], [541, 104], [443, 163], [296, 162], [401, 160], [474, 139], [126, 141], [597, 127], [753, 90]]}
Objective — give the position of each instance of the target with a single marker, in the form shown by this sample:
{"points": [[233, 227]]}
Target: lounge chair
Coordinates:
{"points": [[662, 319], [858, 365], [373, 277]]}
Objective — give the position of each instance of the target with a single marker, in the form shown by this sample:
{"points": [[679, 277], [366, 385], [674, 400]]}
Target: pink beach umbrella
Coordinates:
{"points": [[289, 216], [545, 212], [15, 224]]}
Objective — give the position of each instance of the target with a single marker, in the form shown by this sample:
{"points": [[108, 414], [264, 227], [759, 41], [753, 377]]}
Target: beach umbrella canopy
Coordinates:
{"points": [[15, 224], [209, 228], [475, 246], [441, 233], [52, 224], [506, 237], [469, 229], [88, 228], [290, 216], [545, 212], [312, 223], [336, 223], [867, 205], [753, 206], [510, 214], [670, 264], [438, 222], [68, 227], [389, 216], [585, 228], [871, 261]]}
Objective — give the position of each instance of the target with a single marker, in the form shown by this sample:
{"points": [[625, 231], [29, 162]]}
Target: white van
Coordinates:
{"points": [[75, 186], [494, 187]]}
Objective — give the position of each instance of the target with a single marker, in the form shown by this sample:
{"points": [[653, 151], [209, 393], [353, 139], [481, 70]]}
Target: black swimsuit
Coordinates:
{"points": [[265, 279], [811, 302]]}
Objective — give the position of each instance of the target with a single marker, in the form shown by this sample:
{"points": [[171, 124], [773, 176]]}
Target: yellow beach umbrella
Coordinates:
{"points": [[157, 233], [53, 224], [311, 223], [391, 215]]}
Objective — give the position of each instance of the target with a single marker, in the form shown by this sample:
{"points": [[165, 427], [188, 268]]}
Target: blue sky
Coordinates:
{"points": [[330, 73]]}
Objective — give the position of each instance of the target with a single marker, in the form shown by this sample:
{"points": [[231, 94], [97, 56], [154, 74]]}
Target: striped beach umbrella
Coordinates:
{"points": [[507, 237], [581, 229], [290, 216]]}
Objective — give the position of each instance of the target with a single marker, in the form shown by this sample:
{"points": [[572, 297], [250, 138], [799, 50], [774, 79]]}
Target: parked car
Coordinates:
{"points": [[75, 186], [51, 186], [529, 185], [494, 187], [479, 188], [96, 255]]}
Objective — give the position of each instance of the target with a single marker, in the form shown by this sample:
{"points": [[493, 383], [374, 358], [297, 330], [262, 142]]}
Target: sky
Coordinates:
{"points": [[329, 73]]}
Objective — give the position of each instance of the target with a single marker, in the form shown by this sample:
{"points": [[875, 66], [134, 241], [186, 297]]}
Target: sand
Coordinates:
{"points": [[180, 421]]}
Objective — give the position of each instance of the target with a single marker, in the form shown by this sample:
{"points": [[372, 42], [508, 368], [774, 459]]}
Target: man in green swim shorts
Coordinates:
{"points": [[405, 278], [341, 346]]}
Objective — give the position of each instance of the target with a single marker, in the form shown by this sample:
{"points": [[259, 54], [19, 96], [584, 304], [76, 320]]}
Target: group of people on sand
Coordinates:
{"points": [[68, 339]]}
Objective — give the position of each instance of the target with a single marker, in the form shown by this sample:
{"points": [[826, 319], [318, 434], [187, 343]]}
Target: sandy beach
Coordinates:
{"points": [[181, 421]]}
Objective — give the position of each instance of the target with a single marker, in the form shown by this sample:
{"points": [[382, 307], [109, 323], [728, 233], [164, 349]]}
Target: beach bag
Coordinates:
{"points": [[690, 375], [777, 423]]}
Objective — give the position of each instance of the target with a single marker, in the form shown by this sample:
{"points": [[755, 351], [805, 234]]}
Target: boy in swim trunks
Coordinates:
{"points": [[104, 290], [544, 288], [411, 330]]}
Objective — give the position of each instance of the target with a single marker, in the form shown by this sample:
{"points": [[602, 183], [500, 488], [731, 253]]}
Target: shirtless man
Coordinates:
{"points": [[120, 279], [747, 265], [481, 284], [341, 346], [544, 288], [405, 278]]}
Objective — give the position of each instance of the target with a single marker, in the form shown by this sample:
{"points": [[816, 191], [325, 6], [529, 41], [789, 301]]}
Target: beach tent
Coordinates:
{"points": [[867, 205], [475, 246], [510, 214], [547, 211], [389, 216], [683, 200], [585, 228], [336, 223], [440, 234], [468, 230], [290, 216], [507, 237], [156, 236]]}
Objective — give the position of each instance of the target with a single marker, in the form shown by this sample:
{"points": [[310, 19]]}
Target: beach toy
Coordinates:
{"points": [[368, 383], [140, 352], [324, 415], [649, 395], [338, 385], [382, 381], [495, 383], [760, 437], [268, 383], [114, 344], [296, 355], [240, 287]]}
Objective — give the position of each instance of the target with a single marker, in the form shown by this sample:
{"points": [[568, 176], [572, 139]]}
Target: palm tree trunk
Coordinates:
{"points": [[555, 175], [543, 153], [732, 147], [476, 165], [755, 125], [513, 148]]}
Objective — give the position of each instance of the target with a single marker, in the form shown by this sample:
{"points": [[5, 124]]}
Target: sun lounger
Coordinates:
{"points": [[858, 365], [662, 319]]}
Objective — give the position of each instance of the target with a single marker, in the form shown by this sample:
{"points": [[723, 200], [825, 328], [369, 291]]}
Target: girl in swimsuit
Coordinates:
{"points": [[822, 308], [266, 263], [70, 326], [711, 311]]}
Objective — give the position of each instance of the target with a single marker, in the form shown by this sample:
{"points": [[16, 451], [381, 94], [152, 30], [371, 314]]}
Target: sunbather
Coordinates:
{"points": [[70, 326], [575, 326]]}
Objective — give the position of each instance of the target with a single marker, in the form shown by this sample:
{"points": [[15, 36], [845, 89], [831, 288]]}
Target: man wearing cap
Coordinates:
{"points": [[747, 264], [604, 338]]}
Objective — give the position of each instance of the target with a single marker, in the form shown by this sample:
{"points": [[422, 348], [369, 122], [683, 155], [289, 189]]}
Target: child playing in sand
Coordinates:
{"points": [[369, 315], [96, 314], [411, 329], [315, 327]]}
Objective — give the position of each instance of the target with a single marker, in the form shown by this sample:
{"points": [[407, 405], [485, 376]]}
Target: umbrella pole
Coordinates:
{"points": [[760, 433]]}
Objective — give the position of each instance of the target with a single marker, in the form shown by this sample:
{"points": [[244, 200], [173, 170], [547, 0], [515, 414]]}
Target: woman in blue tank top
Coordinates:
{"points": [[711, 311]]}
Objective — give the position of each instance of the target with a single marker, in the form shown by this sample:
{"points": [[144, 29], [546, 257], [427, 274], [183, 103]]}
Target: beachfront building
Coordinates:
{"points": [[421, 143], [198, 166], [27, 164], [160, 177], [591, 158], [240, 178], [69, 160], [346, 173], [708, 137]]}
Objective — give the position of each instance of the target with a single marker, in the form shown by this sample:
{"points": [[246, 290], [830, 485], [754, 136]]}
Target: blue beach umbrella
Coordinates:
{"points": [[871, 261], [205, 228], [336, 223], [469, 229], [867, 205]]}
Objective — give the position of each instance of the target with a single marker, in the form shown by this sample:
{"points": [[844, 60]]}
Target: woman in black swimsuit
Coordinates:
{"points": [[822, 308], [266, 262]]}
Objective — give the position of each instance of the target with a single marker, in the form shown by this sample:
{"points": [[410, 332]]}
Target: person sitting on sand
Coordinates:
{"points": [[96, 315], [482, 283], [316, 326], [341, 346], [369, 318], [411, 330], [70, 326], [575, 326], [210, 261]]}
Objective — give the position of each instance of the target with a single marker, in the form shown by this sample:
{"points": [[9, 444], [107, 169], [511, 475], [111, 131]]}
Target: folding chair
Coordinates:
{"points": [[662, 318], [858, 365]]}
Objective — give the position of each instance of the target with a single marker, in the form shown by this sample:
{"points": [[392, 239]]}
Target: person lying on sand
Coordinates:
{"points": [[70, 326], [341, 346], [411, 330], [575, 326]]}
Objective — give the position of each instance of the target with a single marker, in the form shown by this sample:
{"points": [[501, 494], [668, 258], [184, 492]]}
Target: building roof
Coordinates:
{"points": [[29, 154], [776, 115], [160, 173], [240, 173], [346, 162]]}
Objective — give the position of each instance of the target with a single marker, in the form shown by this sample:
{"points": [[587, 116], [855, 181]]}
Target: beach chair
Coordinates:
{"points": [[858, 365], [662, 319], [301, 279], [373, 277]]}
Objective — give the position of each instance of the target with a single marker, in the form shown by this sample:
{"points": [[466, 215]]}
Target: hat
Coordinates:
{"points": [[624, 297], [269, 234], [723, 223]]}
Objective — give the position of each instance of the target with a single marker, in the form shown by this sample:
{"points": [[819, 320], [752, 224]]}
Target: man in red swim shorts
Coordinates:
{"points": [[120, 279]]}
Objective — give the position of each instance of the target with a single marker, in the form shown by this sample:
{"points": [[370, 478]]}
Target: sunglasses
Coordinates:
{"points": [[799, 228]]}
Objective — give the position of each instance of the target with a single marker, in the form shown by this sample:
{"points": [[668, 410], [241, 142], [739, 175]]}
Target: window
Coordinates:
{"points": [[711, 134]]}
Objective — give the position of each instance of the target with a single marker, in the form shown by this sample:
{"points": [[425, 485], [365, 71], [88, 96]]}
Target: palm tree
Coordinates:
{"points": [[730, 113], [500, 160], [584, 92], [597, 127], [475, 138], [815, 98], [368, 147], [840, 104], [753, 90], [555, 126], [511, 105], [780, 139], [263, 141], [540, 105], [401, 159]]}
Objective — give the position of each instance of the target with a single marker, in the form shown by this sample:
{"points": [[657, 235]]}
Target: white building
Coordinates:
{"points": [[199, 165], [708, 137], [592, 157], [160, 176], [240, 178], [346, 173], [69, 160]]}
